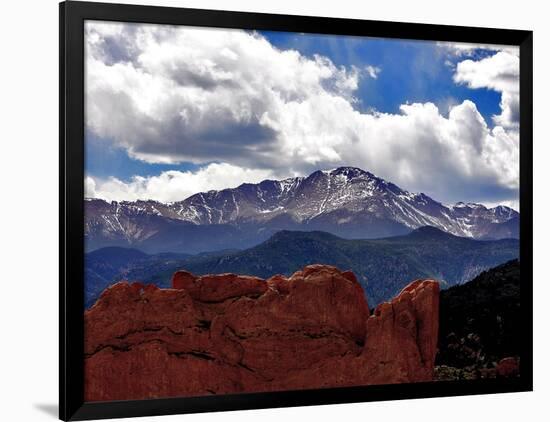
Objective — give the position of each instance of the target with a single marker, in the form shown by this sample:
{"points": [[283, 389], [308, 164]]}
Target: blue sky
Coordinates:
{"points": [[104, 160], [413, 71], [149, 134]]}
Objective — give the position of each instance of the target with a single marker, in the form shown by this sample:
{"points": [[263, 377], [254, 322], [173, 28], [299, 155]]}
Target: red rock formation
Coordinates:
{"points": [[508, 367], [225, 333]]}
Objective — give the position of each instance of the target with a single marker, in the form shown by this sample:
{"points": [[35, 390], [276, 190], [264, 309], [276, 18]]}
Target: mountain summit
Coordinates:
{"points": [[346, 201]]}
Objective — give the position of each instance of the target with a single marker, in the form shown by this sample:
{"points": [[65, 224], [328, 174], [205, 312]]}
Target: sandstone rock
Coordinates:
{"points": [[219, 287], [508, 367], [402, 335], [226, 333]]}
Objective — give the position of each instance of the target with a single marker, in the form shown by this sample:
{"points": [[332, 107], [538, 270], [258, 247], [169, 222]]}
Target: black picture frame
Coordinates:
{"points": [[72, 15]]}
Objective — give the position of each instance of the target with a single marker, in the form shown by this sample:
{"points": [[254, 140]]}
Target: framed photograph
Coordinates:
{"points": [[265, 210]]}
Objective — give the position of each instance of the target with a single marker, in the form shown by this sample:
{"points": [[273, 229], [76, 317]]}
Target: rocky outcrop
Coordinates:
{"points": [[225, 333], [479, 325], [508, 367]]}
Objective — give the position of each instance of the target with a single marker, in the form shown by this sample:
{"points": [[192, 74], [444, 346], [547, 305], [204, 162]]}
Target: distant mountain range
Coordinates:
{"points": [[346, 202], [383, 266]]}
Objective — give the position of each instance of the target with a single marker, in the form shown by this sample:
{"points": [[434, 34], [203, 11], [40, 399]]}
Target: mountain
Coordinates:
{"points": [[346, 202], [141, 225], [480, 322], [104, 265], [382, 266]]}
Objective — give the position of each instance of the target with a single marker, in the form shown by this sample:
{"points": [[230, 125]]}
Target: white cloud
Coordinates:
{"points": [[174, 94], [499, 72], [198, 95], [90, 188], [514, 204], [373, 71], [171, 186]]}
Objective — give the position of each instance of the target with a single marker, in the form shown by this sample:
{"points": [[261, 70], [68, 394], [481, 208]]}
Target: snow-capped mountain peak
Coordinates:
{"points": [[346, 201]]}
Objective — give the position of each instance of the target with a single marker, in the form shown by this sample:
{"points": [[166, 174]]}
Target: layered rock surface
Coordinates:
{"points": [[219, 334]]}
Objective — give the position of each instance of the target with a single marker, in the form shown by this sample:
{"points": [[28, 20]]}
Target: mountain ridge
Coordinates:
{"points": [[382, 266], [346, 201]]}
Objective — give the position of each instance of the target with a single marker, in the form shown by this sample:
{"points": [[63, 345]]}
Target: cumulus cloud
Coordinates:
{"points": [[171, 186], [175, 94], [499, 72], [513, 203], [180, 94]]}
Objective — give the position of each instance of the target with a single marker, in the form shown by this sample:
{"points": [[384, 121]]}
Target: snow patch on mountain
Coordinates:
{"points": [[331, 200]]}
